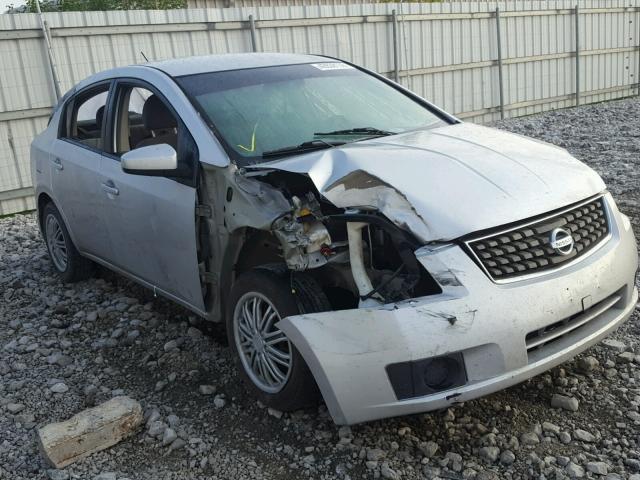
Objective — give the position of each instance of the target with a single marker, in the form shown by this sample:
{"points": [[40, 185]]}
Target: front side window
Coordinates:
{"points": [[262, 111], [144, 118], [84, 117], [136, 127]]}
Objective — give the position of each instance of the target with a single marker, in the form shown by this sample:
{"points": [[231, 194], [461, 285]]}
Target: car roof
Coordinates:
{"points": [[231, 61], [203, 64]]}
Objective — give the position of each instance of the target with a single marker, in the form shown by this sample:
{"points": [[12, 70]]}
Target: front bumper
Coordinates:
{"points": [[348, 351]]}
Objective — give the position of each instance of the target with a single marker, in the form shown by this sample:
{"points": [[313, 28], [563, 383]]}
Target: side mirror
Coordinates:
{"points": [[157, 160]]}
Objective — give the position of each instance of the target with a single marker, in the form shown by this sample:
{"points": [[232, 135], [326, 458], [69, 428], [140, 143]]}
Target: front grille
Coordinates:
{"points": [[526, 249]]}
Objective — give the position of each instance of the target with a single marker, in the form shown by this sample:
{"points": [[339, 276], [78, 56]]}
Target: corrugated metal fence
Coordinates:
{"points": [[267, 3], [281, 3], [447, 52]]}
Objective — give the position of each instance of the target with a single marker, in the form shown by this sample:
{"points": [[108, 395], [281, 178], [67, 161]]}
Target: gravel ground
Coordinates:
{"points": [[63, 348]]}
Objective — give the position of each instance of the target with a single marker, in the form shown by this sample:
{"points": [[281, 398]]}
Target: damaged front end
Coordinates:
{"points": [[356, 238], [411, 323], [356, 254]]}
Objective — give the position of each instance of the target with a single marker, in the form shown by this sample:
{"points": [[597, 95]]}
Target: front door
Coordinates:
{"points": [[151, 219]]}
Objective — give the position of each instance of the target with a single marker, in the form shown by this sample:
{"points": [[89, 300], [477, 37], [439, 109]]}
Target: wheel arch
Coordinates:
{"points": [[246, 248], [41, 201], [43, 198]]}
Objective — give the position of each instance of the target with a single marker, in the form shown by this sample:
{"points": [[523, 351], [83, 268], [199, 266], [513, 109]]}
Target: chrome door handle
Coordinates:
{"points": [[110, 188], [57, 163]]}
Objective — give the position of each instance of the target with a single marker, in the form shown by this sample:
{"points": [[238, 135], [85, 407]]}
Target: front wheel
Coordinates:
{"points": [[269, 363]]}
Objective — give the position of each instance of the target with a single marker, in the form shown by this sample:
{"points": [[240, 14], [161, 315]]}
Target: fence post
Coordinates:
{"points": [[500, 78], [396, 48], [577, 56], [47, 43], [252, 31], [638, 47]]}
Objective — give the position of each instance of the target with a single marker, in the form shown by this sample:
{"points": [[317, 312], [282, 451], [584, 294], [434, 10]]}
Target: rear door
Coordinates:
{"points": [[75, 162], [151, 219]]}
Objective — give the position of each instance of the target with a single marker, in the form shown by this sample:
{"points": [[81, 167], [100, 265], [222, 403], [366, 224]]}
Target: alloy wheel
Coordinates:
{"points": [[56, 243], [264, 350]]}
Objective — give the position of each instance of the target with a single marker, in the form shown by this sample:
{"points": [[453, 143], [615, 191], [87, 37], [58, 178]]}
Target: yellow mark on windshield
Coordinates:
{"points": [[253, 141]]}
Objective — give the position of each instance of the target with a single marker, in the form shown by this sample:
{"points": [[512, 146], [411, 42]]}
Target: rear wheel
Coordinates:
{"points": [[269, 363], [71, 266]]}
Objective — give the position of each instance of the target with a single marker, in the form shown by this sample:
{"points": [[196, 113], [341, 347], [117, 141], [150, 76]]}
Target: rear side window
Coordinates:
{"points": [[84, 117]]}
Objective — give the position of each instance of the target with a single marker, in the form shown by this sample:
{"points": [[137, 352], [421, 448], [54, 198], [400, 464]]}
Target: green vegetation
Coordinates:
{"points": [[88, 5]]}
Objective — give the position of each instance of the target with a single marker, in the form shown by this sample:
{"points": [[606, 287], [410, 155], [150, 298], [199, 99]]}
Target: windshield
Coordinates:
{"points": [[287, 110]]}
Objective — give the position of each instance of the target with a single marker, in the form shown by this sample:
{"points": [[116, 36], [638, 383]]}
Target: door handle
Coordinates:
{"points": [[110, 188], [57, 163]]}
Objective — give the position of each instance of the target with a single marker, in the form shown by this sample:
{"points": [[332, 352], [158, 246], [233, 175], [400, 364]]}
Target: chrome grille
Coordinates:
{"points": [[526, 249]]}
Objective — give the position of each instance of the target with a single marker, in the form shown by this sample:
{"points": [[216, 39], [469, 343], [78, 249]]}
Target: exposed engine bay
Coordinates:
{"points": [[372, 258]]}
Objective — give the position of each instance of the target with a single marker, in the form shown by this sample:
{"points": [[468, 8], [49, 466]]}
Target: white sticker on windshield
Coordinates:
{"points": [[332, 66]]}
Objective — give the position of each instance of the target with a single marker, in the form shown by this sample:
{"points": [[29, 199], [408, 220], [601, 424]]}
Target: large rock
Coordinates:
{"points": [[625, 357], [549, 427], [375, 454], [574, 471], [566, 403], [584, 436], [89, 431], [529, 438], [598, 468], [490, 454], [588, 364], [387, 472], [507, 457], [428, 448], [615, 345]]}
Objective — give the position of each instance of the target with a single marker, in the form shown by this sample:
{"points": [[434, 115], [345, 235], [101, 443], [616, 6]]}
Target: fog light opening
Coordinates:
{"points": [[441, 373], [427, 376]]}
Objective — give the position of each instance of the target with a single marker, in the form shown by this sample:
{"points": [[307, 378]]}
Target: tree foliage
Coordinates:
{"points": [[88, 5]]}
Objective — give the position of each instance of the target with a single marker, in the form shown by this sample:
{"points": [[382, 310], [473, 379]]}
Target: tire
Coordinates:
{"points": [[286, 295], [66, 260]]}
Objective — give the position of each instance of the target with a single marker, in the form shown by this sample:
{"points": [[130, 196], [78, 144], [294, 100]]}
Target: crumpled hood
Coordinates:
{"points": [[450, 181]]}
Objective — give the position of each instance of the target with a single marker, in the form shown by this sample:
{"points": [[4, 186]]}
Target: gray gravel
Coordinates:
{"points": [[66, 347]]}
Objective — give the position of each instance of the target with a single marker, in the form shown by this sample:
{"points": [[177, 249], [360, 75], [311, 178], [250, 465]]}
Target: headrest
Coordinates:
{"points": [[156, 116], [99, 117]]}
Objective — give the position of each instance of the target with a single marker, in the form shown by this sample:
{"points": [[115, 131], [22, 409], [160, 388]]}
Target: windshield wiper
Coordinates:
{"points": [[369, 131], [302, 148]]}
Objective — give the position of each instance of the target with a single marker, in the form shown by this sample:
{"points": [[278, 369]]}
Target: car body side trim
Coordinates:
{"points": [[146, 284]]}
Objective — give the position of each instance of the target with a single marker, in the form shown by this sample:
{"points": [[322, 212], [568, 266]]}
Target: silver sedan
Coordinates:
{"points": [[358, 242]]}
